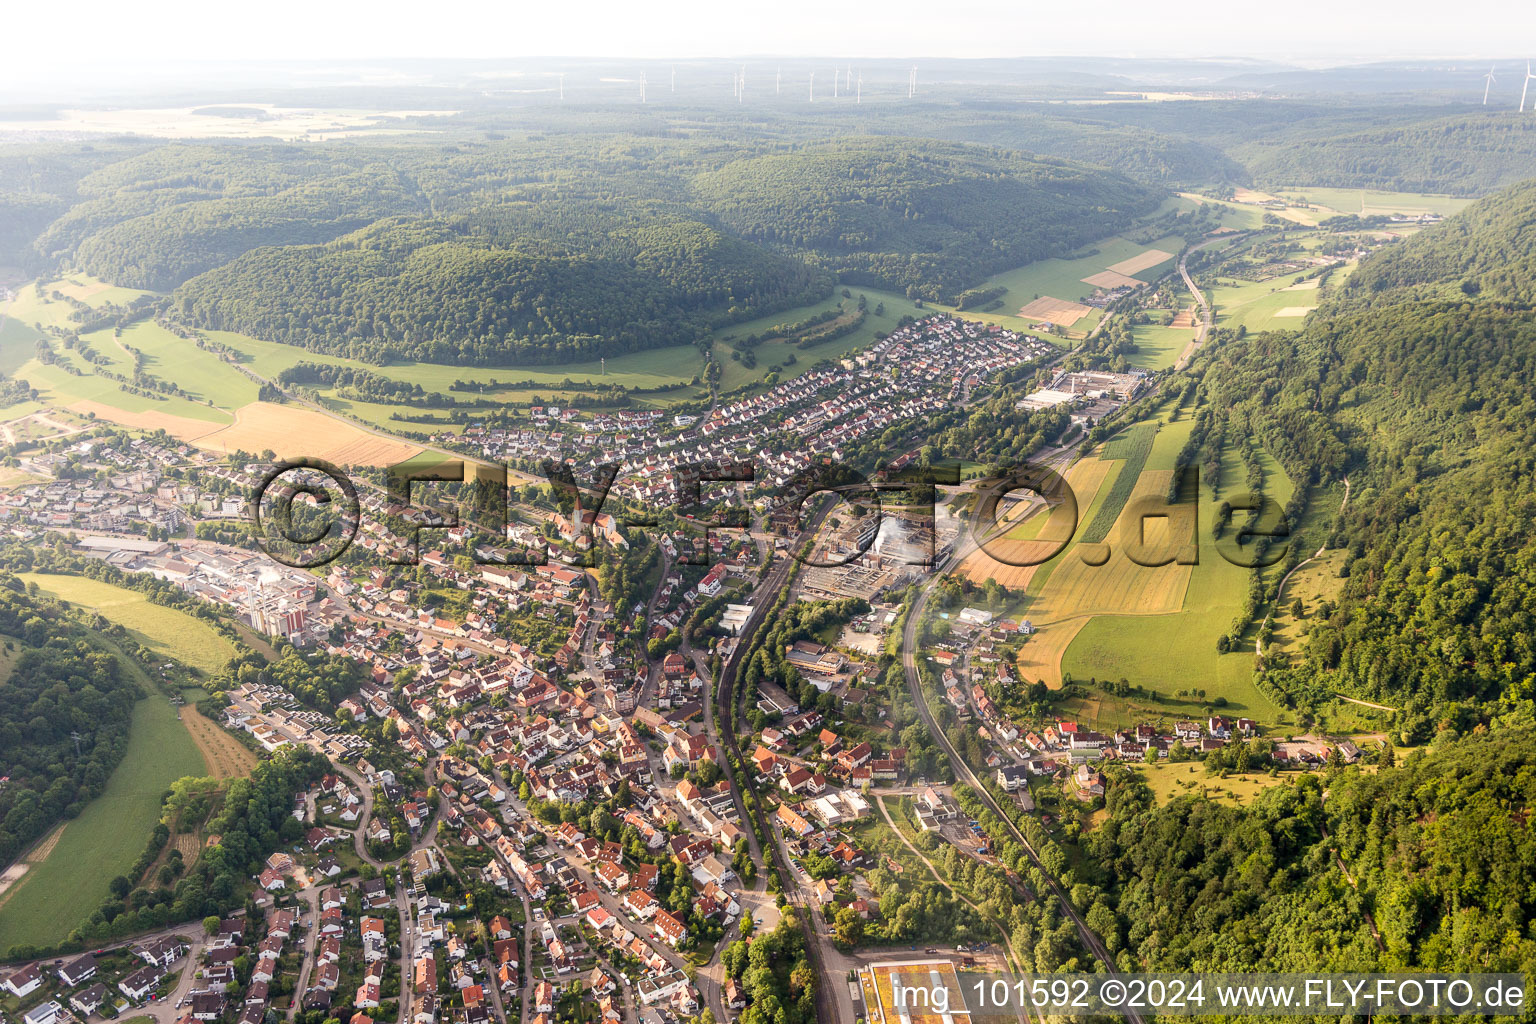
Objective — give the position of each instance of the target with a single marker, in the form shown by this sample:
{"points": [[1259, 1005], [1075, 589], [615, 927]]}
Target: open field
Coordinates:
{"points": [[1131, 446], [226, 757], [29, 307], [199, 371], [1168, 780], [1164, 655], [1077, 591], [89, 394], [660, 367], [11, 479], [1039, 534], [1159, 347], [165, 630], [1057, 311], [18, 868], [1062, 279], [1260, 305], [1141, 261], [108, 836], [1246, 217], [1312, 584], [1370, 201], [1108, 279], [292, 431]]}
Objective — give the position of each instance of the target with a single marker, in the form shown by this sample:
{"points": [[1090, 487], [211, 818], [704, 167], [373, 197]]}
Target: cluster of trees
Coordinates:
{"points": [[623, 581], [774, 974], [353, 382], [318, 680], [800, 621], [59, 688]]}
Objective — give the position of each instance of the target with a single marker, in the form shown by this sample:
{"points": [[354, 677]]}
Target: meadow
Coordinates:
{"points": [[1165, 654], [1061, 278], [167, 631], [1371, 201], [1168, 780], [108, 836], [1256, 305]]}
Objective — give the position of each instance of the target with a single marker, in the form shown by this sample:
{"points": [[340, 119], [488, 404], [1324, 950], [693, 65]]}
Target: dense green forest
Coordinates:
{"points": [[422, 290], [929, 218], [1464, 154], [1489, 251], [58, 684], [1437, 851], [1424, 403], [516, 280]]}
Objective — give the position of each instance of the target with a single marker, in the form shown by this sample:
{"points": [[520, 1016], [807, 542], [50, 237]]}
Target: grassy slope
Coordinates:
{"points": [[166, 630], [110, 833]]}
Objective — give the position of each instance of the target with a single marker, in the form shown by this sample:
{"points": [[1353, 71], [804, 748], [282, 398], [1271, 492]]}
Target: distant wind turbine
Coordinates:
{"points": [[858, 95], [776, 75], [1487, 84], [642, 87], [562, 87], [813, 88], [1527, 86]]}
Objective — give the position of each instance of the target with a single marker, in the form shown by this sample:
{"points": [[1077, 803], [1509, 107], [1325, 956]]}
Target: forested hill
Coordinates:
{"points": [[933, 218], [1466, 154], [602, 251], [423, 290], [57, 685], [1435, 854], [1488, 251], [1421, 394]]}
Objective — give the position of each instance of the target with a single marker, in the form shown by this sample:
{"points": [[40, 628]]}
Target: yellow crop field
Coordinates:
{"points": [[293, 432], [1038, 535], [1077, 590]]}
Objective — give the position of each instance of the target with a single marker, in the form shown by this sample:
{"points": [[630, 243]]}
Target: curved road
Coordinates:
{"points": [[1207, 315]]}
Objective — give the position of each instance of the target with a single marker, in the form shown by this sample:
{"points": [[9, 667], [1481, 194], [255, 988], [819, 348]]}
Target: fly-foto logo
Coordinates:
{"points": [[306, 513]]}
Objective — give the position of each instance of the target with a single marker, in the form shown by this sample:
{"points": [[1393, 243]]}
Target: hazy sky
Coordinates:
{"points": [[89, 36]]}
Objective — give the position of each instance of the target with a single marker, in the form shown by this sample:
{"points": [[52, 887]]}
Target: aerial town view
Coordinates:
{"points": [[762, 527]]}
